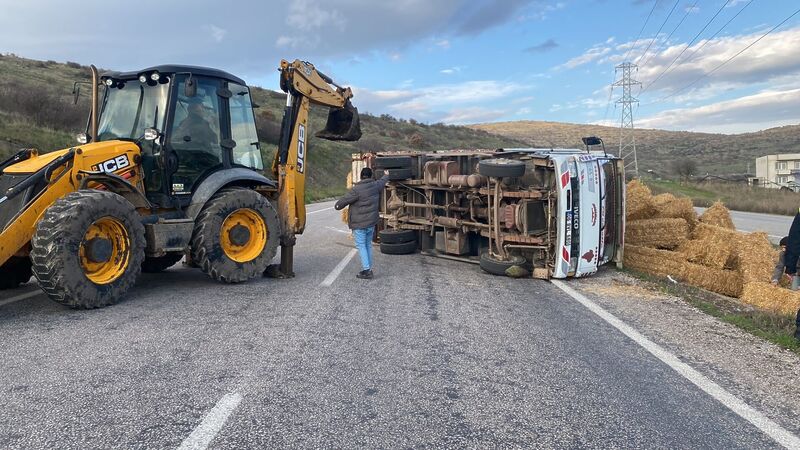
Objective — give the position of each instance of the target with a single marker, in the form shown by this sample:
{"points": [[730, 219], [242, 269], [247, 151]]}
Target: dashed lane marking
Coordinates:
{"points": [[319, 210], [779, 434], [338, 269], [202, 436]]}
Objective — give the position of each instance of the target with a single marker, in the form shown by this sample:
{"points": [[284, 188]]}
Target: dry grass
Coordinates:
{"points": [[669, 206], [756, 257]]}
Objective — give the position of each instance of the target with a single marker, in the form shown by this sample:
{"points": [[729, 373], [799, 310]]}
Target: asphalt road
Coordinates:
{"points": [[776, 226], [431, 353]]}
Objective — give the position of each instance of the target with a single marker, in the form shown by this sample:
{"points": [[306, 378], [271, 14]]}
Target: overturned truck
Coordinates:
{"points": [[553, 213]]}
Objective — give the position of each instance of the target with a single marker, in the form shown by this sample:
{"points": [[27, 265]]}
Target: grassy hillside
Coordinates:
{"points": [[735, 196], [656, 149], [37, 110]]}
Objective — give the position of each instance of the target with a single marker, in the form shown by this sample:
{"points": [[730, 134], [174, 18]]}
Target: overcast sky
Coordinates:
{"points": [[458, 61]]}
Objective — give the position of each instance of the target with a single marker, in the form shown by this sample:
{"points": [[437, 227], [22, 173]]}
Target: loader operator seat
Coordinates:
{"points": [[195, 127]]}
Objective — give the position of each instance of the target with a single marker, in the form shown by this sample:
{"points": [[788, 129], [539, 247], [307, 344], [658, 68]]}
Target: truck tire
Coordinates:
{"points": [[392, 162], [501, 167], [87, 249], [498, 267], [16, 271], [404, 248], [397, 236], [156, 264], [400, 174], [235, 236]]}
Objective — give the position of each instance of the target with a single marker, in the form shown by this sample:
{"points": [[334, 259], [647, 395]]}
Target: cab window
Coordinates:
{"points": [[195, 134], [243, 128]]}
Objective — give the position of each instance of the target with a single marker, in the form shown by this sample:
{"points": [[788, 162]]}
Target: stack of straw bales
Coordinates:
{"points": [[664, 237]]}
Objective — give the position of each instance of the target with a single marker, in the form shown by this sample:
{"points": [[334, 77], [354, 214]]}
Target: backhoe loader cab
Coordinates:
{"points": [[170, 166]]}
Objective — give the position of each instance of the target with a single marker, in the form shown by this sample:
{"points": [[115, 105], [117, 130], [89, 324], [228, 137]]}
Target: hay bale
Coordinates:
{"points": [[755, 257], [712, 246], [669, 206], [771, 298], [718, 215], [725, 282], [657, 233], [346, 211], [638, 201], [653, 261]]}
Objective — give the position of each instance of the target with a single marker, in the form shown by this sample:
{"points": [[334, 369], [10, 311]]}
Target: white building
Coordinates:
{"points": [[776, 171]]}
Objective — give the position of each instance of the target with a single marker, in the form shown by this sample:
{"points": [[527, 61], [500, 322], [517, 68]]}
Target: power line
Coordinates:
{"points": [[659, 31], [689, 58], [686, 48], [637, 37], [729, 59], [688, 10]]}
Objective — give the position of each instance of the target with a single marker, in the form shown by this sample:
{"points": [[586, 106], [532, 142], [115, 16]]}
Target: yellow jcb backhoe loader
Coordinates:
{"points": [[170, 165]]}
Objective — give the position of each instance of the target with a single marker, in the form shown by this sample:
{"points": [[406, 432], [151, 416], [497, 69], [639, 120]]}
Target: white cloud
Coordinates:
{"points": [[451, 103], [443, 44], [451, 70], [749, 113], [588, 56], [217, 33]]}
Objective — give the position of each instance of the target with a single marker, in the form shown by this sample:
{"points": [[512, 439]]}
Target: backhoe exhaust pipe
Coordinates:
{"points": [[343, 124], [95, 103]]}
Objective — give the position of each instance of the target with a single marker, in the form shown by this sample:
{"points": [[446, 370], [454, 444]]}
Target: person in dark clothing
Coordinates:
{"points": [[791, 258], [364, 202]]}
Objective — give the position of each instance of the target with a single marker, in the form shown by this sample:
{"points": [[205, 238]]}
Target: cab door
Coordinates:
{"points": [[195, 134]]}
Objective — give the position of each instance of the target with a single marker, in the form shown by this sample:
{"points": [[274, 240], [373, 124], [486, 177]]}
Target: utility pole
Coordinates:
{"points": [[627, 140]]}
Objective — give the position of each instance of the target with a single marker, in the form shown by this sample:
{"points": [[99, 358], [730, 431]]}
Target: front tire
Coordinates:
{"points": [[88, 249], [236, 235]]}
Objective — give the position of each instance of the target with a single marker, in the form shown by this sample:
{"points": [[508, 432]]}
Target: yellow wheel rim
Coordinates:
{"points": [[243, 235], [105, 250]]}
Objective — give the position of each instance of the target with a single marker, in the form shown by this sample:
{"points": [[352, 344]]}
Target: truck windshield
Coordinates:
{"points": [[130, 107]]}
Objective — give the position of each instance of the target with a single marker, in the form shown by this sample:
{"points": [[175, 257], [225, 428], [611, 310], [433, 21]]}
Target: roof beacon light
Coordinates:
{"points": [[109, 82], [143, 78]]}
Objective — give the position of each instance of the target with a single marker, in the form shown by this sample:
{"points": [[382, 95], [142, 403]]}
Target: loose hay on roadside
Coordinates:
{"points": [[725, 282], [772, 298], [657, 233], [654, 261], [638, 201], [718, 215], [711, 246]]}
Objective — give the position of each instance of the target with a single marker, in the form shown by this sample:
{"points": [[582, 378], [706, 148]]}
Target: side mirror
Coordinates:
{"points": [[189, 87], [151, 134]]}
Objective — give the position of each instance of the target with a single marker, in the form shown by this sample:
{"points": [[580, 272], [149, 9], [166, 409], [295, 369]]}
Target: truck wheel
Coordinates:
{"points": [[404, 248], [498, 267], [501, 167], [235, 236], [392, 162], [14, 272], [397, 236], [88, 248], [156, 264], [400, 174]]}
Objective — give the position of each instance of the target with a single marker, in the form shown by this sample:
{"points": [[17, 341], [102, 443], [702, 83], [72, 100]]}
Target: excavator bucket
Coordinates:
{"points": [[342, 125]]}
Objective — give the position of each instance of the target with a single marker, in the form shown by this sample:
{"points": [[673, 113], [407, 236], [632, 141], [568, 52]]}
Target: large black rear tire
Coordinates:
{"points": [[501, 167], [404, 248], [497, 266], [156, 264], [88, 248], [397, 236], [235, 236]]}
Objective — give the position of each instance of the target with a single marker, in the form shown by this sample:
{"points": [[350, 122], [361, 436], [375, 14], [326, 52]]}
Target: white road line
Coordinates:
{"points": [[338, 269], [212, 423], [338, 230], [770, 428], [21, 297], [319, 210]]}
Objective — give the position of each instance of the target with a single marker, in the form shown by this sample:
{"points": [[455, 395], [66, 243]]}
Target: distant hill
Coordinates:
{"points": [[37, 110], [714, 153]]}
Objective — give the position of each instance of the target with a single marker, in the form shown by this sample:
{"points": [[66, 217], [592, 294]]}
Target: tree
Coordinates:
{"points": [[417, 141], [684, 168]]}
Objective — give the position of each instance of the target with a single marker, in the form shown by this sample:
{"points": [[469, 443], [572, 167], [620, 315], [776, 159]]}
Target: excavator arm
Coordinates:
{"points": [[305, 86]]}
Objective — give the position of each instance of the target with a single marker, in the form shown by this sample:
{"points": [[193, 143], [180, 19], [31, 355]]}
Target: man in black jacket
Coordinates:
{"points": [[364, 202]]}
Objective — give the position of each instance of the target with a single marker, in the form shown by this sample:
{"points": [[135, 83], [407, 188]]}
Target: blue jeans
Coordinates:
{"points": [[363, 238]]}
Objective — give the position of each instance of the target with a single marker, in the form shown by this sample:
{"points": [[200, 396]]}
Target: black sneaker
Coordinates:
{"points": [[365, 275]]}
